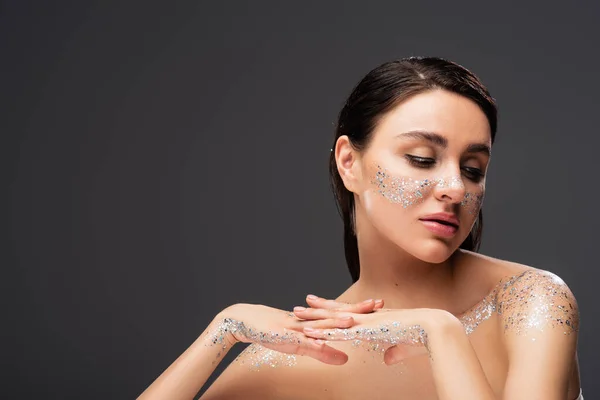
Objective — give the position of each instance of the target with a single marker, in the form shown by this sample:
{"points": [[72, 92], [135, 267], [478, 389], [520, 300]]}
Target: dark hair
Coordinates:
{"points": [[377, 93]]}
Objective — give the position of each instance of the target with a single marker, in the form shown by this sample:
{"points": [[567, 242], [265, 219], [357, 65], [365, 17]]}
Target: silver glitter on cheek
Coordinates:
{"points": [[472, 202], [408, 192], [401, 190]]}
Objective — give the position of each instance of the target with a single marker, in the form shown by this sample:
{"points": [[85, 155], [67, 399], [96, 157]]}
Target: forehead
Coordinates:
{"points": [[453, 116]]}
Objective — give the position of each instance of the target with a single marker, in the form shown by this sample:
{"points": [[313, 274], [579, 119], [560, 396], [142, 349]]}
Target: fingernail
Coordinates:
{"points": [[309, 330], [298, 308], [367, 301], [345, 318], [378, 301], [320, 342], [312, 297]]}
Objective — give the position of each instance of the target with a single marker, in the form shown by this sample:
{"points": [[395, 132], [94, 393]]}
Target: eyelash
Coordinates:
{"points": [[474, 174]]}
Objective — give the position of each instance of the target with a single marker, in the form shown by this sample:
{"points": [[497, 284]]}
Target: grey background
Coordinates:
{"points": [[165, 160]]}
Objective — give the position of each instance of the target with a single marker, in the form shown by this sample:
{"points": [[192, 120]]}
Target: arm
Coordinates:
{"points": [[272, 328], [541, 318], [455, 367], [279, 373], [186, 376]]}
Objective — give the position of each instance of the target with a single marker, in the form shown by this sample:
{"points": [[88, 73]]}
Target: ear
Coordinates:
{"points": [[348, 163]]}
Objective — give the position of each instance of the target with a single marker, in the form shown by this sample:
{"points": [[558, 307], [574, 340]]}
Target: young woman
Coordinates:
{"points": [[408, 167]]}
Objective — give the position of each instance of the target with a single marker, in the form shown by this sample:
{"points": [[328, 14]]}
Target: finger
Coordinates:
{"points": [[330, 334], [363, 307], [359, 308], [324, 353], [378, 304], [313, 348], [319, 313], [319, 302], [345, 322], [396, 354]]}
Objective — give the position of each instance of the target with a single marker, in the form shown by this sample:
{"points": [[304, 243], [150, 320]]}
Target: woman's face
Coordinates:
{"points": [[421, 180]]}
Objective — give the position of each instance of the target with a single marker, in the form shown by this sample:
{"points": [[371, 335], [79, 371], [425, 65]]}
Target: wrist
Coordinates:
{"points": [[441, 322], [222, 329]]}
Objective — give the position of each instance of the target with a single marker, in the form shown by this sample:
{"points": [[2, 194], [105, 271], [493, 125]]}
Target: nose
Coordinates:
{"points": [[450, 190]]}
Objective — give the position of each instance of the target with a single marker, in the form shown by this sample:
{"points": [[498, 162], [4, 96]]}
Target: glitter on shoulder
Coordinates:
{"points": [[534, 299], [537, 300]]}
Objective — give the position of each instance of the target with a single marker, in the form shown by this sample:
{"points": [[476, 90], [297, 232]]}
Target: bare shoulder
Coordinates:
{"points": [[494, 270], [261, 373], [480, 276], [490, 268], [539, 320], [537, 300], [523, 294]]}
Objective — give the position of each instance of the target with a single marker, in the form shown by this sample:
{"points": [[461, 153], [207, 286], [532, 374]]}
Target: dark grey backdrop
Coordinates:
{"points": [[165, 160]]}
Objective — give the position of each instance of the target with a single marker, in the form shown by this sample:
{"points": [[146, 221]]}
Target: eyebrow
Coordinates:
{"points": [[441, 141]]}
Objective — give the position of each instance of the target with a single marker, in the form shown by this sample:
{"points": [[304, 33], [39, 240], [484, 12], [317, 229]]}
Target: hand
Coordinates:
{"points": [[364, 307], [404, 333], [278, 330]]}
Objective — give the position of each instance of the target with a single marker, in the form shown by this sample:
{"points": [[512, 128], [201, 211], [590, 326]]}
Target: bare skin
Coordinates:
{"points": [[366, 375], [422, 277]]}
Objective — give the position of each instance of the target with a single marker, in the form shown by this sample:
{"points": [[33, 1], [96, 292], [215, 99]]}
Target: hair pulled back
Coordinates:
{"points": [[378, 92]]}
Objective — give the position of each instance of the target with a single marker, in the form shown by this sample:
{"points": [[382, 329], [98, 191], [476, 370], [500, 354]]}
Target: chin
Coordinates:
{"points": [[434, 251]]}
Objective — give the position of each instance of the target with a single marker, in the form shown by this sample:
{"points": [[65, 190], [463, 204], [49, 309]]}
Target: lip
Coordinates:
{"points": [[442, 224], [440, 229], [444, 217]]}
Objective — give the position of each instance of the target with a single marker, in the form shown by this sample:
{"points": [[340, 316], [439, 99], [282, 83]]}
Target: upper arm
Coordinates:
{"points": [[250, 376], [541, 321]]}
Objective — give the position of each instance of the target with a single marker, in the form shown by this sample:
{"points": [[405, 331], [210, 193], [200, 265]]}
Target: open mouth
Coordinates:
{"points": [[444, 222], [439, 221], [440, 227]]}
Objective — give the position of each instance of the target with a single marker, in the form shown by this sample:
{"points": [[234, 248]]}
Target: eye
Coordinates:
{"points": [[420, 162], [474, 174]]}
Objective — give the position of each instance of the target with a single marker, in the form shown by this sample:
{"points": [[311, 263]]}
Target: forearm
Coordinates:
{"points": [[186, 376], [455, 367]]}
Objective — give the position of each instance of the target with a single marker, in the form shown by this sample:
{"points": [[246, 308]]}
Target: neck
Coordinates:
{"points": [[401, 279]]}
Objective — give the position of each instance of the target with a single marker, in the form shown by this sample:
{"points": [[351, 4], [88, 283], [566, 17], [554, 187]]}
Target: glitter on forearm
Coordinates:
{"points": [[243, 333], [387, 333], [255, 355]]}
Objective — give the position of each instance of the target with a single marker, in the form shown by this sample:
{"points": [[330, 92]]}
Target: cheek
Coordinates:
{"points": [[404, 191], [390, 199], [471, 205], [377, 204], [472, 202], [388, 217]]}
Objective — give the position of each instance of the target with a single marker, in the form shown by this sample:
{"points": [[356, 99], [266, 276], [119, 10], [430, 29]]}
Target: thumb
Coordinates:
{"points": [[400, 352]]}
